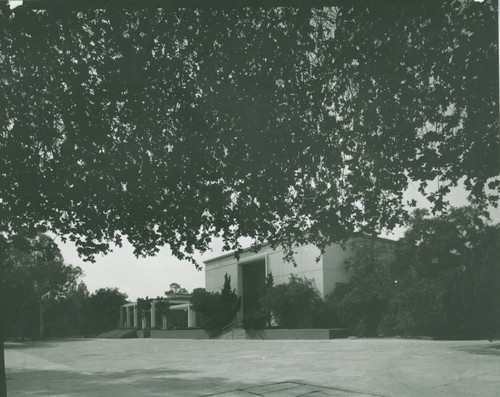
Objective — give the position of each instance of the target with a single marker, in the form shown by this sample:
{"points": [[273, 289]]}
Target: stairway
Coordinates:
{"points": [[234, 334], [233, 330], [119, 334]]}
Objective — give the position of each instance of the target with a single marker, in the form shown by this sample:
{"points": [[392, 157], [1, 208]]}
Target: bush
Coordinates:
{"points": [[216, 309], [296, 304]]}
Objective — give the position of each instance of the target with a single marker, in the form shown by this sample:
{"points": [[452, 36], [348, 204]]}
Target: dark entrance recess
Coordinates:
{"points": [[254, 284]]}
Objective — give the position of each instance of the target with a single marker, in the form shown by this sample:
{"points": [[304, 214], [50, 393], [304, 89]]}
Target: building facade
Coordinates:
{"points": [[248, 273]]}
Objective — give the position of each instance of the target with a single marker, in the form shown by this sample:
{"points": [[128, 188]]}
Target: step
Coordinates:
{"points": [[234, 334]]}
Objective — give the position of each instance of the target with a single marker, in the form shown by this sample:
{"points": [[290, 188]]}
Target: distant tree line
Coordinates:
{"points": [[45, 297]]}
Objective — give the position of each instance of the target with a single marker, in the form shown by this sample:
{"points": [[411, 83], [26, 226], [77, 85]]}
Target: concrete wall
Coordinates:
{"points": [[297, 334], [215, 271], [306, 266], [174, 334], [305, 258], [334, 266], [216, 268]]}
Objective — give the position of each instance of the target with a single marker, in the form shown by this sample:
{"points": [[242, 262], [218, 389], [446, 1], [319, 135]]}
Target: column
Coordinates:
{"points": [[144, 324], [191, 317], [164, 322], [239, 290], [136, 320], [129, 320], [153, 314], [121, 317]]}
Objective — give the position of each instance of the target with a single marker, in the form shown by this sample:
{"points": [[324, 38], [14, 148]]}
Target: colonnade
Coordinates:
{"points": [[129, 316]]}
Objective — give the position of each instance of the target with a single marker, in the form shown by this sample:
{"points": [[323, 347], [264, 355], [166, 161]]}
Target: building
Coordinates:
{"points": [[248, 276], [248, 273], [179, 314]]}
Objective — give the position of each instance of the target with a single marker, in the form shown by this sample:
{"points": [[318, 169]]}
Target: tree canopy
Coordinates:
{"points": [[287, 125], [102, 310], [441, 279], [284, 124], [176, 289], [34, 274]]}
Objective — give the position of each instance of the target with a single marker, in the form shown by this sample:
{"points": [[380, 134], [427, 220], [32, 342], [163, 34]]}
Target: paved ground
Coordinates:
{"points": [[249, 368]]}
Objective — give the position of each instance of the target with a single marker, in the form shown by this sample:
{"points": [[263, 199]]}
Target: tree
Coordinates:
{"points": [[67, 317], [200, 112], [161, 309], [449, 272], [35, 268], [362, 303], [216, 309], [143, 306], [230, 302], [176, 289], [294, 304], [287, 125], [440, 280], [103, 310]]}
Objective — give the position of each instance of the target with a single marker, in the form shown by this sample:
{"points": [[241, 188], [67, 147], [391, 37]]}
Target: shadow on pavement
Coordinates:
{"points": [[492, 349], [157, 382], [30, 344]]}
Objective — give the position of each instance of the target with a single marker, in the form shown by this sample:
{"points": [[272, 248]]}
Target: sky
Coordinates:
{"points": [[152, 276]]}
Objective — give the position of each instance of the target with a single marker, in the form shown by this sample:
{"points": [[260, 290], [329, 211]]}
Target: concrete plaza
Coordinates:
{"points": [[249, 368]]}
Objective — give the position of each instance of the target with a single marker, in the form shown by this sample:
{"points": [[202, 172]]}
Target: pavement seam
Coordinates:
{"points": [[248, 390], [230, 391], [340, 389]]}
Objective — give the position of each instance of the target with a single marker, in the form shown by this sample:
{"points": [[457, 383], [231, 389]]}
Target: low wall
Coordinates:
{"points": [[173, 334], [298, 333]]}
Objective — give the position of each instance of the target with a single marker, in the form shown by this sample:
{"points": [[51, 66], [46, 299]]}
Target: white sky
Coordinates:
{"points": [[141, 277], [15, 3]]}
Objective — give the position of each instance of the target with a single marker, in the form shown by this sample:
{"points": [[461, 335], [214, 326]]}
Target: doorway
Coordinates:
{"points": [[254, 286]]}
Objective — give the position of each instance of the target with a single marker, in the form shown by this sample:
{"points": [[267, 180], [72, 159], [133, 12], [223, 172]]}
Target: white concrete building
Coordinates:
{"points": [[248, 273]]}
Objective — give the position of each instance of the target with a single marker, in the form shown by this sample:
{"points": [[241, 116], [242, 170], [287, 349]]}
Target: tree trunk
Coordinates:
{"points": [[3, 301], [3, 378], [42, 323]]}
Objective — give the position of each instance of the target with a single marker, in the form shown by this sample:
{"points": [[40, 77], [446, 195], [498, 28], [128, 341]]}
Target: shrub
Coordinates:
{"points": [[216, 309], [295, 304]]}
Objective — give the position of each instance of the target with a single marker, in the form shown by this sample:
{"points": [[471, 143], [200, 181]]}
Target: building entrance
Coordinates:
{"points": [[254, 285]]}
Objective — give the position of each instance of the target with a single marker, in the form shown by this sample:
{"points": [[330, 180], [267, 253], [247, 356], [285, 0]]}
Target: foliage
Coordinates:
{"points": [[442, 281], [216, 309], [68, 317], [294, 304], [207, 307], [161, 305], [35, 275], [45, 297], [198, 113], [230, 302], [362, 303], [170, 126], [143, 307], [176, 289], [449, 283], [102, 310]]}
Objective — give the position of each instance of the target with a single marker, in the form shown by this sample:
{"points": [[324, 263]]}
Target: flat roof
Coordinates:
{"points": [[244, 250], [233, 253]]}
